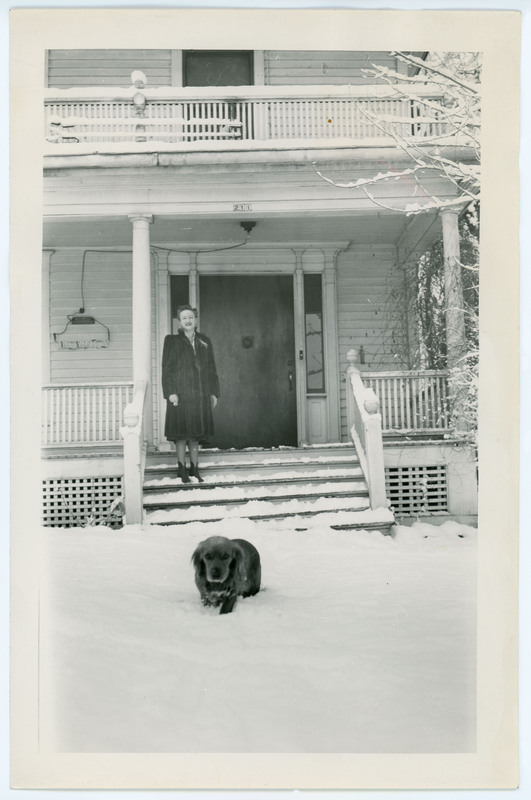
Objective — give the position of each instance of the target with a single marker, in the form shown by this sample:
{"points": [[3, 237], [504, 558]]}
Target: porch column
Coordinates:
{"points": [[330, 329], [453, 287], [142, 310], [163, 316], [299, 368], [456, 344], [45, 315]]}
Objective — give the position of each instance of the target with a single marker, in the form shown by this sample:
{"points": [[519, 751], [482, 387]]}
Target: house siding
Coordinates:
{"points": [[367, 280], [108, 297], [70, 68], [320, 67]]}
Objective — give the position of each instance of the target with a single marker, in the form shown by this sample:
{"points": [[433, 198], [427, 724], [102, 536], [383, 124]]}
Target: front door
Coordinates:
{"points": [[250, 322]]}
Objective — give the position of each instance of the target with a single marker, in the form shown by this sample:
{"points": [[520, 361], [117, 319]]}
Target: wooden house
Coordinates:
{"points": [[218, 178]]}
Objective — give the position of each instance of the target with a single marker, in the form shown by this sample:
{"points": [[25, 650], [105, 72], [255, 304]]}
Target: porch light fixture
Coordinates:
{"points": [[247, 225], [82, 335], [138, 79]]}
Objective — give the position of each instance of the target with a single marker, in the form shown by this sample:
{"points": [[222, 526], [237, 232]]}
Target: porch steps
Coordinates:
{"points": [[303, 487]]}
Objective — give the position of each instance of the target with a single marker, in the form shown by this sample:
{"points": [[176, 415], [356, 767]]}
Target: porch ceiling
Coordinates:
{"points": [[376, 228]]}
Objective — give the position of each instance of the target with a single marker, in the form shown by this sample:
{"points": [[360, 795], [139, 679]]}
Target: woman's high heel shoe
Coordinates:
{"points": [[182, 473], [194, 473]]}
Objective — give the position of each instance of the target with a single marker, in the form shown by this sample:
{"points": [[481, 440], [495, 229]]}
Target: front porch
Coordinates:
{"points": [[422, 471]]}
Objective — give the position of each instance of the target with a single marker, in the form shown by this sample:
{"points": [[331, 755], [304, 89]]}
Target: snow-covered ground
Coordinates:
{"points": [[358, 642]]}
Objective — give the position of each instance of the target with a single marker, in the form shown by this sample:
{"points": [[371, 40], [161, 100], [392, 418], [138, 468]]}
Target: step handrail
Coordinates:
{"points": [[365, 428], [132, 434]]}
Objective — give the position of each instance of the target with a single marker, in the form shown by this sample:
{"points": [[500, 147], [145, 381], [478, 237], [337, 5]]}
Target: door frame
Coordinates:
{"points": [[315, 258]]}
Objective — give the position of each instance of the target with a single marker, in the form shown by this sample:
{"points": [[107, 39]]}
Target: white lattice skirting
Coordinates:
{"points": [[417, 490], [70, 502]]}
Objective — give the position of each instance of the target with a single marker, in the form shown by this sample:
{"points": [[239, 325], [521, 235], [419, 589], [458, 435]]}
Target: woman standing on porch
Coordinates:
{"points": [[190, 386]]}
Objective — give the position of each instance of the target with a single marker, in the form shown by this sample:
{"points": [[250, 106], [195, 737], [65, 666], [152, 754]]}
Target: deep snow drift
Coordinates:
{"points": [[358, 642]]}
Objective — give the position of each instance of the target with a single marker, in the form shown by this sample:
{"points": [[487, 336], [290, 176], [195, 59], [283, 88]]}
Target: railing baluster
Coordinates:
{"points": [[408, 402], [114, 409], [100, 393], [70, 416], [401, 388], [63, 419], [45, 424], [439, 423], [51, 413], [75, 412]]}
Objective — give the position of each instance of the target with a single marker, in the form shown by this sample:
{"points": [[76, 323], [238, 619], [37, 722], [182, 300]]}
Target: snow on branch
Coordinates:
{"points": [[438, 133], [432, 69]]}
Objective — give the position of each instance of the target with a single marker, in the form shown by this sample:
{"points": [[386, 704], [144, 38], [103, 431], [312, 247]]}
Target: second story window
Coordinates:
{"points": [[218, 68]]}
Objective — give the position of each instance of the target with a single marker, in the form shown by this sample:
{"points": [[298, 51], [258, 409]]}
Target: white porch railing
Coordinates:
{"points": [[416, 401], [83, 414], [365, 428], [248, 113], [132, 433]]}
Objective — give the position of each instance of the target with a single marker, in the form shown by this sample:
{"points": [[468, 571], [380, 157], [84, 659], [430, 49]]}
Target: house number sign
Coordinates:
{"points": [[242, 206]]}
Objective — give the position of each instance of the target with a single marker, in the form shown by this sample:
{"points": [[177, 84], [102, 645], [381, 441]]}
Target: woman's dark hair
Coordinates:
{"points": [[186, 307]]}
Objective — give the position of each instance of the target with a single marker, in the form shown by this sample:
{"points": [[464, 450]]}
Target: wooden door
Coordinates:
{"points": [[250, 322]]}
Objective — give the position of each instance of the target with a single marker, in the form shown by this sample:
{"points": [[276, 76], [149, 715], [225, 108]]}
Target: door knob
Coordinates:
{"points": [[290, 381]]}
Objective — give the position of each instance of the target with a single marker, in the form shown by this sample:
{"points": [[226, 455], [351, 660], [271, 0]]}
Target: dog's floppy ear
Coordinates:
{"points": [[238, 564], [197, 559]]}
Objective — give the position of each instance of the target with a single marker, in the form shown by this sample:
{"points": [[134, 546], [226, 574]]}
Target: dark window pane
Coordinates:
{"points": [[179, 297], [313, 322], [218, 68]]}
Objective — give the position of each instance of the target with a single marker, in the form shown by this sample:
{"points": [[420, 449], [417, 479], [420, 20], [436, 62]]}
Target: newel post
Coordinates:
{"points": [[375, 454], [352, 359], [365, 425], [131, 433]]}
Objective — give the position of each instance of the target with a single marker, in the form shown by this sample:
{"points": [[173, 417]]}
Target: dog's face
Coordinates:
{"points": [[216, 557]]}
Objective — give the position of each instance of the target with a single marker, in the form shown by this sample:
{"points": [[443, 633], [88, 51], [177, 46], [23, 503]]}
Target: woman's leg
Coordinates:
{"points": [[193, 447], [180, 446]]}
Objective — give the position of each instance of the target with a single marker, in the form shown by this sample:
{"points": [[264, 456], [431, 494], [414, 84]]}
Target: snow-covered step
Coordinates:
{"points": [[256, 509], [346, 519], [201, 496], [263, 459], [268, 469], [162, 481], [259, 455]]}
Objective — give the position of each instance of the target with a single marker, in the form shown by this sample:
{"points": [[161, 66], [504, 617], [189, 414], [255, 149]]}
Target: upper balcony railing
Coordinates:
{"points": [[252, 115]]}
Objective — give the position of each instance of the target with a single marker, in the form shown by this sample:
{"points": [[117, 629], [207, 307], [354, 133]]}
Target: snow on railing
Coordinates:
{"points": [[413, 401], [365, 428], [132, 433], [236, 113], [83, 414]]}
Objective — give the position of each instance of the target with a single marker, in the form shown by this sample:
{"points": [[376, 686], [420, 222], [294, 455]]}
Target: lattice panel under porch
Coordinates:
{"points": [[70, 502], [417, 490]]}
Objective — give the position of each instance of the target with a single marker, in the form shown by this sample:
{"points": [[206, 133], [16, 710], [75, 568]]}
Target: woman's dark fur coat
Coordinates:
{"points": [[192, 376]]}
